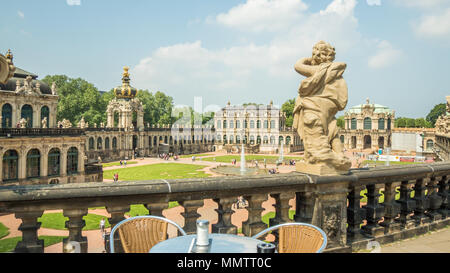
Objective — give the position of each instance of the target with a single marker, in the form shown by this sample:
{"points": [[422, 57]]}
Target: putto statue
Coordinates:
{"points": [[321, 95], [44, 122], [23, 123]]}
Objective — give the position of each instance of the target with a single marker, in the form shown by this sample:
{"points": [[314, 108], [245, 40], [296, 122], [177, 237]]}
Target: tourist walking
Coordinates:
{"points": [[102, 225]]}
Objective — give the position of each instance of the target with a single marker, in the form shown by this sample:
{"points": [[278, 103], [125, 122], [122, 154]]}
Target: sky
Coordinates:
{"points": [[397, 51]]}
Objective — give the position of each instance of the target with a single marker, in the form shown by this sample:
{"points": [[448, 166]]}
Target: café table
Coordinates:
{"points": [[218, 243]]}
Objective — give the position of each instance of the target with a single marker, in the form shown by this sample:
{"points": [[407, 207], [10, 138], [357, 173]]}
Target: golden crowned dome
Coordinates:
{"points": [[125, 91]]}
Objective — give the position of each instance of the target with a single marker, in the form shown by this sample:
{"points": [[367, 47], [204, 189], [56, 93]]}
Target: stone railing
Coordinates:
{"points": [[38, 132], [332, 203]]}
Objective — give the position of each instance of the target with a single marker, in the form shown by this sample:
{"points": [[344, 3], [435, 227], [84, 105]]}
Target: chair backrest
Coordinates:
{"points": [[139, 234], [298, 238]]}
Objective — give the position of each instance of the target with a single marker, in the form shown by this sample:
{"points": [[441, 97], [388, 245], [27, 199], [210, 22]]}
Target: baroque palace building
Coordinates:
{"points": [[35, 148], [368, 126], [442, 134], [261, 127]]}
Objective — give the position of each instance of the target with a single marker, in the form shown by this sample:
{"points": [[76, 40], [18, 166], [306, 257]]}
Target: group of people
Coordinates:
{"points": [[291, 162], [123, 163], [273, 171], [116, 177], [165, 156]]}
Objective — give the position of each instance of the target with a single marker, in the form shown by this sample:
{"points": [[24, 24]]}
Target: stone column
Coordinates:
{"points": [[254, 224], [117, 215], [224, 213], [80, 160], [63, 162], [44, 162], [391, 209], [22, 164], [75, 225], [281, 208], [190, 214], [29, 227]]}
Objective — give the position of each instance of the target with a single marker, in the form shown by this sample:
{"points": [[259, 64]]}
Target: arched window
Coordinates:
{"points": [[45, 113], [389, 124], [91, 143], [33, 163], [342, 138], [231, 124], [72, 161], [252, 124], [10, 165], [258, 140], [7, 116], [272, 140], [381, 124], [245, 124], [165, 140], [155, 141], [225, 139], [224, 124], [99, 143], [219, 139], [114, 143], [252, 139], [353, 124], [219, 124], [54, 159], [27, 114], [238, 139], [367, 124], [107, 143], [231, 139], [258, 124], [288, 140], [171, 140], [266, 124], [238, 124], [430, 144], [265, 140], [280, 140]]}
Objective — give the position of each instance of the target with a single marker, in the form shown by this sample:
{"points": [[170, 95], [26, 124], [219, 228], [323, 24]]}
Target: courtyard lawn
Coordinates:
{"points": [[270, 159], [57, 221], [372, 162], [196, 155], [158, 171], [4, 231], [8, 245], [111, 164]]}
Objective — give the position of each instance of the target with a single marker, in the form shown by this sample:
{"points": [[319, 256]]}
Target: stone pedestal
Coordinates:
{"points": [[318, 169]]}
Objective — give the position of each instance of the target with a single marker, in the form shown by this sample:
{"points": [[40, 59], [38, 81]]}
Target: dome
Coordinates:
{"points": [[377, 108], [125, 91], [21, 75]]}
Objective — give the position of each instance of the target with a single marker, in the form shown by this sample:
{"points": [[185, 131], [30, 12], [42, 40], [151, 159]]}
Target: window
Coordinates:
{"points": [[266, 124], [265, 140], [99, 143], [231, 124], [367, 124], [91, 143], [231, 139], [33, 163], [107, 143], [225, 139], [430, 144], [272, 124], [252, 140], [252, 124], [54, 162], [389, 124], [272, 140], [45, 113], [10, 165], [72, 161], [238, 139], [280, 140], [258, 140], [288, 140], [238, 124], [7, 116], [381, 124], [258, 124], [245, 124], [27, 114], [114, 143], [219, 124], [353, 124], [224, 124], [342, 138]]}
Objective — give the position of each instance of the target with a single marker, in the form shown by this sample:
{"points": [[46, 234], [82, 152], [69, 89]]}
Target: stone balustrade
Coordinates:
{"points": [[391, 211], [38, 132]]}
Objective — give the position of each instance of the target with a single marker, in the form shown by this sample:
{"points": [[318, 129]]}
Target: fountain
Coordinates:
{"points": [[242, 170]]}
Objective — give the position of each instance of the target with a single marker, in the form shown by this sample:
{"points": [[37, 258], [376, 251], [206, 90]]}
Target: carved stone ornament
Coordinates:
{"points": [[7, 68], [321, 95]]}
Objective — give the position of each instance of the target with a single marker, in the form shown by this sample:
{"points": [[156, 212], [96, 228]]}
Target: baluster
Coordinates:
{"points": [[156, 209], [117, 215], [253, 225], [29, 227], [444, 193], [391, 208], [407, 205], [281, 208], [374, 211], [190, 215], [75, 225], [435, 200], [355, 214], [224, 213], [304, 208], [422, 203]]}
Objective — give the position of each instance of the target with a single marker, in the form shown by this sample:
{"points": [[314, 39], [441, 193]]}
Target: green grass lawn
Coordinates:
{"points": [[196, 155], [158, 171], [270, 159], [8, 245], [390, 162], [117, 164], [266, 217], [4, 231], [57, 221]]}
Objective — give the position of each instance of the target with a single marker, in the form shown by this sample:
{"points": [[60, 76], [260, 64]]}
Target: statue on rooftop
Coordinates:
{"points": [[44, 122], [321, 95]]}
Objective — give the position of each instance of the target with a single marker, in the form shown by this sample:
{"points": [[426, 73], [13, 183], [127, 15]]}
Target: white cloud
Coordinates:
{"points": [[386, 55], [422, 3], [261, 15], [73, 2], [21, 14], [373, 2], [234, 70], [434, 25]]}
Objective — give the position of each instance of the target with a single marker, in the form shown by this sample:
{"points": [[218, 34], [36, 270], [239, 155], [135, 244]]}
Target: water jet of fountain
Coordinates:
{"points": [[243, 169]]}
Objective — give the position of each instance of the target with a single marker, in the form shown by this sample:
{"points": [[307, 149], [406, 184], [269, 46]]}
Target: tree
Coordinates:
{"points": [[288, 109], [78, 98], [435, 113], [341, 122], [400, 123]]}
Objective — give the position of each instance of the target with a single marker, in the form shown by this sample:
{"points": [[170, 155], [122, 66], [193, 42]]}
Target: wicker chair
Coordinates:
{"points": [[139, 234], [298, 238]]}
